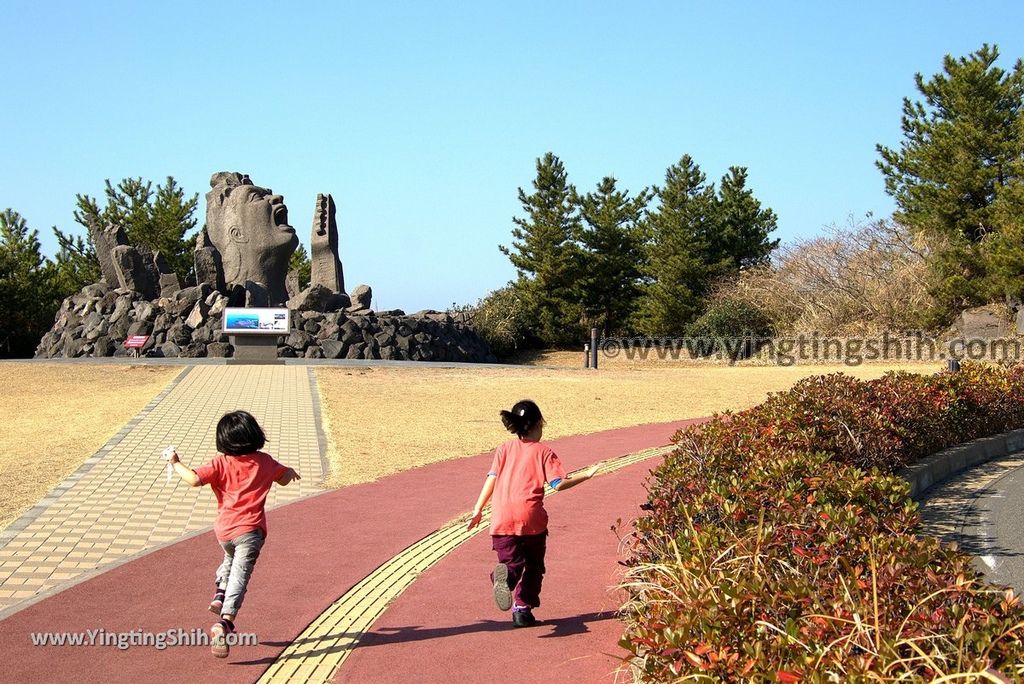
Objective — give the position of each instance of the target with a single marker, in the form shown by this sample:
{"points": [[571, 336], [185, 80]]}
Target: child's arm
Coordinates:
{"points": [[291, 476], [573, 480], [485, 496], [186, 474]]}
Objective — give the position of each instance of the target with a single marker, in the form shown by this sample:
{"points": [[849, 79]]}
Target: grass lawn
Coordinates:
{"points": [[378, 420], [383, 420], [57, 416]]}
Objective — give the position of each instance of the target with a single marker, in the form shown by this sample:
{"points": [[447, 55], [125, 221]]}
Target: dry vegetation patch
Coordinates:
{"points": [[57, 416], [383, 420]]}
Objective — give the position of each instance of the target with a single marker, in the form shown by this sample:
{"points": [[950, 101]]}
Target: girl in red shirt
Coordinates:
{"points": [[241, 477], [519, 523]]}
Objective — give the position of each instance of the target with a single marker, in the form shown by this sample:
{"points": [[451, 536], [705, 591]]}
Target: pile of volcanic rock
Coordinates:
{"points": [[187, 323]]}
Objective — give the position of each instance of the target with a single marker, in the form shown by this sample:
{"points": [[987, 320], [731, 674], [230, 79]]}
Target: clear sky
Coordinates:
{"points": [[422, 119]]}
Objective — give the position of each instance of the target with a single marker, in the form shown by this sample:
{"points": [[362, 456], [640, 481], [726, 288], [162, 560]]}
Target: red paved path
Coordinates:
{"points": [[320, 547]]}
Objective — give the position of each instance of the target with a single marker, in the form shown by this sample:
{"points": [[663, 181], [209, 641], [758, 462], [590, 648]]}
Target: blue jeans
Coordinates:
{"points": [[240, 556]]}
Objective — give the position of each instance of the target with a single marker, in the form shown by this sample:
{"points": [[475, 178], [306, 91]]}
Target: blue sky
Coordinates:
{"points": [[422, 119]]}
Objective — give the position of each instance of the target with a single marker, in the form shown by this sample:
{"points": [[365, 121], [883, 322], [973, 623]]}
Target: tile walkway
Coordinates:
{"points": [[119, 503]]}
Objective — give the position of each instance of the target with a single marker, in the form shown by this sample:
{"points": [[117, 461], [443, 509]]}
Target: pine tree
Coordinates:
{"points": [[695, 238], [75, 264], [159, 220], [301, 264], [613, 254], [27, 297], [741, 239], [546, 257], [172, 217], [961, 156], [678, 235]]}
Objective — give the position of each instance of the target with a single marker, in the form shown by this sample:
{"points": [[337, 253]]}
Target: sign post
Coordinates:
{"points": [[135, 343], [254, 333]]}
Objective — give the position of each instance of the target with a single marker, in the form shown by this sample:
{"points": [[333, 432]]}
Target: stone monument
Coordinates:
{"points": [[248, 227], [325, 264], [241, 259]]}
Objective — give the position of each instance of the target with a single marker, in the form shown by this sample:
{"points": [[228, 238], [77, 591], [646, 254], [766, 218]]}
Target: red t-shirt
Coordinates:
{"points": [[241, 484], [521, 468]]}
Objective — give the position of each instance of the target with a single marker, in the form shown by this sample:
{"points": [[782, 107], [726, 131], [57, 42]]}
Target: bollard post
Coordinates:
{"points": [[954, 365], [593, 348], [586, 356]]}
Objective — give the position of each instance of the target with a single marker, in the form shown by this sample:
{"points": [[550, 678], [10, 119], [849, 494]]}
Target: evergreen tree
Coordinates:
{"points": [[159, 220], [27, 297], [76, 265], [696, 237], [546, 257], [678, 237], [741, 238], [960, 160], [613, 255], [173, 218], [301, 264]]}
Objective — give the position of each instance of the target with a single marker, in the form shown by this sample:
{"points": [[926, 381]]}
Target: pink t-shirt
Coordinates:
{"points": [[241, 484], [521, 468]]}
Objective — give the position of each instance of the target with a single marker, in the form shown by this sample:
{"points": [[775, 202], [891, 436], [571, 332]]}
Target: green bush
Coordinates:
{"points": [[779, 545], [503, 321], [731, 320]]}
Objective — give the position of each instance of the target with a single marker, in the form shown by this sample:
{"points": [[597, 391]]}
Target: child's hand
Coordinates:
{"points": [[171, 455], [289, 477], [475, 520]]}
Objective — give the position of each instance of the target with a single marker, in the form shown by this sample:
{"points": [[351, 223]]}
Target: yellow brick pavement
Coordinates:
{"points": [[123, 504]]}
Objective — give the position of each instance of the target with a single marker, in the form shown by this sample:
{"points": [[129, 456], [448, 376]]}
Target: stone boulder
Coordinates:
{"points": [[318, 297], [104, 240], [133, 273], [984, 323], [360, 298]]}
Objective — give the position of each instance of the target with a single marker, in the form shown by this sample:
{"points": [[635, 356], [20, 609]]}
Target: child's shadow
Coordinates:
{"points": [[546, 629], [551, 627]]}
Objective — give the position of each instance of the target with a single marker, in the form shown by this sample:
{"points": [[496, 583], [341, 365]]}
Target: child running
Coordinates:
{"points": [[519, 523], [241, 476]]}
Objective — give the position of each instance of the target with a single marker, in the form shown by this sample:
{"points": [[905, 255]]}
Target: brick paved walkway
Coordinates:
{"points": [[119, 503]]}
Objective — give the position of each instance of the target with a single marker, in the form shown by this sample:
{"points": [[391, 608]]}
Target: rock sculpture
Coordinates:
{"points": [[325, 264], [248, 226], [360, 298], [241, 259], [104, 240]]}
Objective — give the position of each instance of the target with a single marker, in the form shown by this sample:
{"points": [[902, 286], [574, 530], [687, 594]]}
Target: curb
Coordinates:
{"points": [[942, 466]]}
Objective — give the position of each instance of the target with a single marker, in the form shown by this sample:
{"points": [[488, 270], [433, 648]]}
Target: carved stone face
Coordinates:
{"points": [[249, 227]]}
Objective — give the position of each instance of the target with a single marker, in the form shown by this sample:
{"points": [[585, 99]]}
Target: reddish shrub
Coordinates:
{"points": [[778, 545]]}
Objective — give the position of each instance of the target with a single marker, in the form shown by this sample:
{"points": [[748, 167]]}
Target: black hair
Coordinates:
{"points": [[238, 434], [522, 418]]}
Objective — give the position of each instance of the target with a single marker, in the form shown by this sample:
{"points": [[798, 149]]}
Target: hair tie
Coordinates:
{"points": [[522, 412]]}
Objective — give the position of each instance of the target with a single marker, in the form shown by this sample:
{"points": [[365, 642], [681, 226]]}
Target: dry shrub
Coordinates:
{"points": [[861, 279]]}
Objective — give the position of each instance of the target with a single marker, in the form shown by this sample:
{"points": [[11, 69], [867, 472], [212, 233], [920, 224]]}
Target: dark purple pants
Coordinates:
{"points": [[524, 557]]}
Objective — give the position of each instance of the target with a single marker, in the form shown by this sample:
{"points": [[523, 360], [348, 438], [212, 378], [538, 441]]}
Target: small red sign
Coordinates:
{"points": [[136, 341]]}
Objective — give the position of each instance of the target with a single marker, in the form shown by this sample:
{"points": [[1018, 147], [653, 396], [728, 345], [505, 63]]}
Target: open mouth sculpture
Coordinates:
{"points": [[281, 217]]}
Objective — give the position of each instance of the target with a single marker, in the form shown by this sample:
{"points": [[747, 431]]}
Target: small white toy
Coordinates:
{"points": [[168, 452]]}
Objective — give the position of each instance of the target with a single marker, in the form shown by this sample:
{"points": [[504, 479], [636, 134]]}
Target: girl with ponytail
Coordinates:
{"points": [[519, 523]]}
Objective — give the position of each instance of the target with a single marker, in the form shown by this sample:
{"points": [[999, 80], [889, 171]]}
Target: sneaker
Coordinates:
{"points": [[217, 603], [523, 618], [219, 642], [502, 594]]}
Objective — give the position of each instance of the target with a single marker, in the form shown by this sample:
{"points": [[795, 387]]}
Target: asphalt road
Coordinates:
{"points": [[983, 511]]}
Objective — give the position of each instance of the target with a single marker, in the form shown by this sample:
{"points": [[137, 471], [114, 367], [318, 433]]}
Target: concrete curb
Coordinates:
{"points": [[942, 466]]}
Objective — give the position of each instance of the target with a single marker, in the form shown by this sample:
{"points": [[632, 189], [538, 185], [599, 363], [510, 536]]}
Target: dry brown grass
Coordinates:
{"points": [[57, 415], [383, 420], [378, 421]]}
